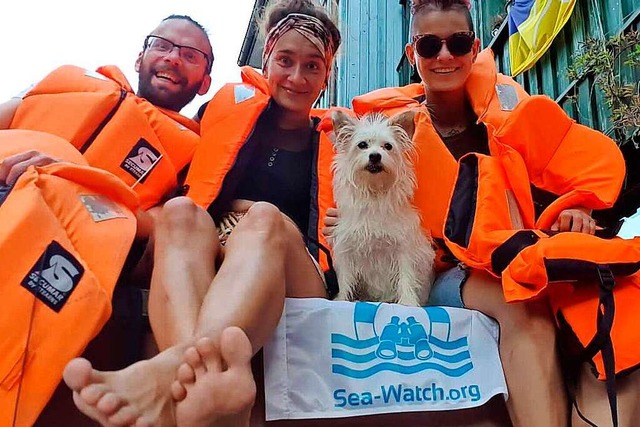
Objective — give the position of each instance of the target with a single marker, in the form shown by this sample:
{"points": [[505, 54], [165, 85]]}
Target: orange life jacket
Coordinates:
{"points": [[56, 286], [115, 130], [554, 157], [226, 146], [593, 283]]}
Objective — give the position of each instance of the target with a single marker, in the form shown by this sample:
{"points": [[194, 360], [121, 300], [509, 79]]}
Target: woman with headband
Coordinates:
{"points": [[260, 171]]}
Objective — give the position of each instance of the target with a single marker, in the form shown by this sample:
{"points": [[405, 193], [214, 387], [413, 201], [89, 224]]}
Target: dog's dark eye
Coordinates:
{"points": [[362, 145], [388, 146]]}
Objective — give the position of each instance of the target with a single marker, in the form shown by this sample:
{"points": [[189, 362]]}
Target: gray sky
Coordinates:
{"points": [[40, 35]]}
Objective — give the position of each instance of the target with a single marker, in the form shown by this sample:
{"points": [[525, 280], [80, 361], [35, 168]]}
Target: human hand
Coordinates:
{"points": [[13, 166], [330, 222], [575, 219]]}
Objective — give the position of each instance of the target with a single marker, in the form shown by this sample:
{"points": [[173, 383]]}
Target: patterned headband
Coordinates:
{"points": [[310, 27]]}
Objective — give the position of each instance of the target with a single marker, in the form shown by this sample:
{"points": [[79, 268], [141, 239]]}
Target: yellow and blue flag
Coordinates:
{"points": [[533, 24]]}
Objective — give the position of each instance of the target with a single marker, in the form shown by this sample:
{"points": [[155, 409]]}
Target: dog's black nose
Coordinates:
{"points": [[375, 157]]}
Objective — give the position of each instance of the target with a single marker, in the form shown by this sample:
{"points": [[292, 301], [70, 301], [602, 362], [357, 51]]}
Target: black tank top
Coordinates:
{"points": [[281, 176]]}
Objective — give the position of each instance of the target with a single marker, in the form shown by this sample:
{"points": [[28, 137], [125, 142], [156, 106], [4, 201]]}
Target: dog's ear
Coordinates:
{"points": [[405, 120], [342, 129], [341, 119]]}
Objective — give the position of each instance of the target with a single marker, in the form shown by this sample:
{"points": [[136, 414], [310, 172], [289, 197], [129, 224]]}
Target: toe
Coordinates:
{"points": [[109, 404], [89, 410], [126, 416], [78, 373], [178, 391], [211, 355], [92, 393], [192, 357], [205, 346], [185, 374]]}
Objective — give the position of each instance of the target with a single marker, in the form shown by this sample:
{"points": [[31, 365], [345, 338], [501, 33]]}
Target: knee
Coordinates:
{"points": [[264, 218], [181, 213], [266, 223]]}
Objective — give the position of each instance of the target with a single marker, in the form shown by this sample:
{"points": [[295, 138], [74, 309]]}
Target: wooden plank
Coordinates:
{"points": [[548, 78], [611, 15], [579, 30], [363, 54], [532, 85]]}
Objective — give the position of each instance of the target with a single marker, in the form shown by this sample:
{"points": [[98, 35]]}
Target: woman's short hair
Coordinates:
{"points": [[419, 7]]}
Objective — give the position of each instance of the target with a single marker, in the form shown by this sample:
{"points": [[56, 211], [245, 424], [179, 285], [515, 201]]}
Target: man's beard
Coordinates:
{"points": [[173, 101]]}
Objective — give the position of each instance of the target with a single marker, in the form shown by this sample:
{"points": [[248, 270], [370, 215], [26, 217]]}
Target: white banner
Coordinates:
{"points": [[340, 359]]}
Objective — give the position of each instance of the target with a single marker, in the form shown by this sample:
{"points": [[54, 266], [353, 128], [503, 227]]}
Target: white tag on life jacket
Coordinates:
{"points": [[244, 92], [507, 96], [95, 75]]}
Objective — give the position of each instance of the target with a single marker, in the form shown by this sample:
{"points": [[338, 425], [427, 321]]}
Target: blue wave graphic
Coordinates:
{"points": [[402, 355], [407, 370], [448, 345], [353, 358], [353, 343], [350, 342], [452, 358]]}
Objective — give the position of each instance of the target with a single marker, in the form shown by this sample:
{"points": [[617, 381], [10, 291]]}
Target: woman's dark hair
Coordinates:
{"points": [[419, 7], [277, 10]]}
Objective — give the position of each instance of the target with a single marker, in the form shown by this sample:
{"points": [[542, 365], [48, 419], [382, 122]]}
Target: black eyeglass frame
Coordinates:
{"points": [[470, 35], [146, 44]]}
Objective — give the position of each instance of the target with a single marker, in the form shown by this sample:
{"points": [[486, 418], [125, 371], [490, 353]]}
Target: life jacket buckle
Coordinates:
{"points": [[606, 278]]}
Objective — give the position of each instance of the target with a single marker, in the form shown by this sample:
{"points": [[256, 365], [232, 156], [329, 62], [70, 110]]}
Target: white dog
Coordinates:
{"points": [[381, 252]]}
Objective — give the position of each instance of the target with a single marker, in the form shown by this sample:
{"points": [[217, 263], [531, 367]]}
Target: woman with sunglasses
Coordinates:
{"points": [[466, 101]]}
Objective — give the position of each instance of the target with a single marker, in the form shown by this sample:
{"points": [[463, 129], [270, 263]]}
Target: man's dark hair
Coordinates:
{"points": [[204, 31]]}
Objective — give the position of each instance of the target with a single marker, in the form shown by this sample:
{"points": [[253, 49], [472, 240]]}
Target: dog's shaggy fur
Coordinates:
{"points": [[381, 252]]}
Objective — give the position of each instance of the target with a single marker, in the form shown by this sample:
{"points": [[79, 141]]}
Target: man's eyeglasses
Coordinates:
{"points": [[187, 53], [429, 45]]}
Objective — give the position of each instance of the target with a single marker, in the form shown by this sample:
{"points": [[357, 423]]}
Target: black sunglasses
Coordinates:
{"points": [[429, 45]]}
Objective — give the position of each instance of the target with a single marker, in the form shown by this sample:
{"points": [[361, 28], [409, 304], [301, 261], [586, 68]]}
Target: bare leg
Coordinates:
{"points": [[252, 301], [263, 252], [302, 278], [248, 292], [185, 250], [592, 400], [537, 394]]}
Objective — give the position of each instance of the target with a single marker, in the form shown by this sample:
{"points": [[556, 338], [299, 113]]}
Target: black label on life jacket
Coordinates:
{"points": [[141, 160], [54, 276]]}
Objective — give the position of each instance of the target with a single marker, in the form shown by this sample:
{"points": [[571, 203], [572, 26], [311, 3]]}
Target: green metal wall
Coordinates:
{"points": [[372, 45], [590, 18]]}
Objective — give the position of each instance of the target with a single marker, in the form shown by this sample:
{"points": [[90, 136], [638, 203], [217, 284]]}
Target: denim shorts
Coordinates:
{"points": [[447, 288]]}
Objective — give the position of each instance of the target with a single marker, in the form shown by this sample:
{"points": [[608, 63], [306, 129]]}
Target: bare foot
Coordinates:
{"points": [[215, 385], [138, 395]]}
